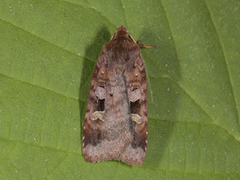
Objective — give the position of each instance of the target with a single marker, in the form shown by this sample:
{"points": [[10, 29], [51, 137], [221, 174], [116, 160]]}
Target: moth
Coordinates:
{"points": [[116, 122]]}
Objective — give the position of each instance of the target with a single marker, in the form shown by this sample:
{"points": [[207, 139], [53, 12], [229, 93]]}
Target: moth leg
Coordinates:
{"points": [[136, 118], [98, 115]]}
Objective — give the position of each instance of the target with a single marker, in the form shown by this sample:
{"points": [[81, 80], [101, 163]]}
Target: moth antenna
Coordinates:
{"points": [[149, 84], [148, 80], [140, 43], [106, 163]]}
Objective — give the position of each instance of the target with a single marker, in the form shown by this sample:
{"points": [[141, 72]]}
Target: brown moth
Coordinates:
{"points": [[116, 122]]}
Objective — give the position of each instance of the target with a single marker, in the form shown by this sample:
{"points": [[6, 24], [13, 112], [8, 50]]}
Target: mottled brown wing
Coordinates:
{"points": [[130, 143], [137, 92], [92, 129]]}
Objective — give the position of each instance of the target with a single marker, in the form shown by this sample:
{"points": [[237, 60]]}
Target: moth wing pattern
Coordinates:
{"points": [[115, 125], [92, 130], [136, 151]]}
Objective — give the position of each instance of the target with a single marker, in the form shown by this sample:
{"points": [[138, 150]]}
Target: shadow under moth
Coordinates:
{"points": [[116, 122]]}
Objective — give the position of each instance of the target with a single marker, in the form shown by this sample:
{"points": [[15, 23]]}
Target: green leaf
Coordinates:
{"points": [[48, 50]]}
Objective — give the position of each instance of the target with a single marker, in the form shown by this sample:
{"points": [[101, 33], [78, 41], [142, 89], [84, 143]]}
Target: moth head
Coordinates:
{"points": [[122, 32]]}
